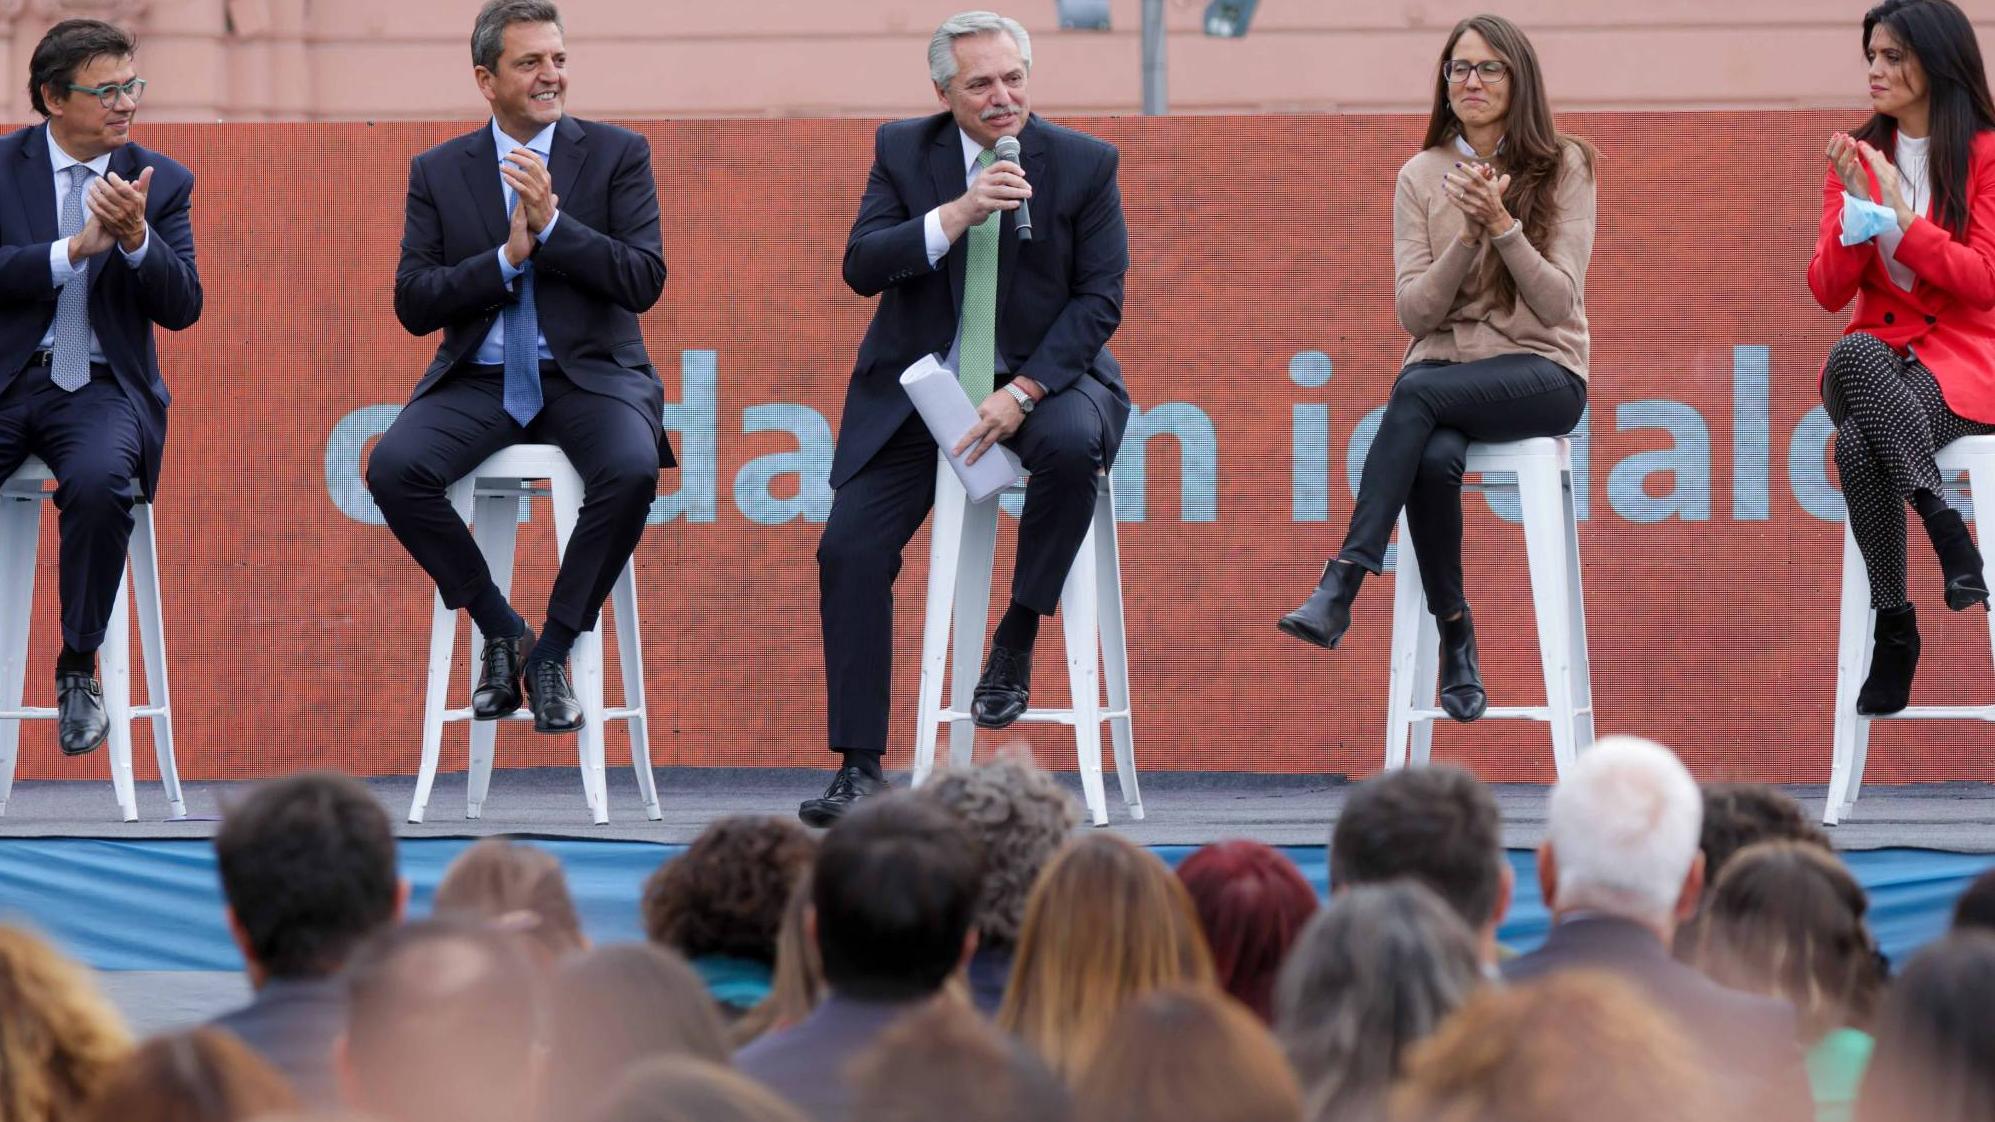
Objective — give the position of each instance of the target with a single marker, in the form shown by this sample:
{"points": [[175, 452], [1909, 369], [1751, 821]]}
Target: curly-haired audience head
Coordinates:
{"points": [[1621, 836], [1737, 815], [1371, 976], [206, 1075], [59, 1037], [945, 1060], [725, 895], [1189, 1055], [1436, 825], [1976, 907], [613, 1007], [1251, 903], [1106, 923], [1022, 815], [684, 1089], [893, 897], [518, 887], [1935, 1057]]}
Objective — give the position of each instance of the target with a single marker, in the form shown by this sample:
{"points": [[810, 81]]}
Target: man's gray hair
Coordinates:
{"points": [[1623, 828], [1022, 815], [488, 35], [942, 48]]}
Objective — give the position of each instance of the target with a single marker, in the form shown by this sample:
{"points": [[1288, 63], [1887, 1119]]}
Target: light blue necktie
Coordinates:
{"points": [[71, 368], [522, 398]]}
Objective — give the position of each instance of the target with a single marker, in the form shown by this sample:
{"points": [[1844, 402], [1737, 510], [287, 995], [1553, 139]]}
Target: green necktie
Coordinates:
{"points": [[976, 357]]}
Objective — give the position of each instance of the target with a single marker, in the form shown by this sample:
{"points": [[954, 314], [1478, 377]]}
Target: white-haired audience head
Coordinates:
{"points": [[1622, 836]]}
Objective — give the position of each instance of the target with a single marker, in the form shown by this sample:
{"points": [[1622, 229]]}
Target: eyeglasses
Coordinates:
{"points": [[107, 94], [1456, 71]]}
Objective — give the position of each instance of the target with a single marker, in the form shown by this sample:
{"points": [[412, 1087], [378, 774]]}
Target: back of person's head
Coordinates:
{"points": [[1786, 919], [206, 1075], [59, 1037], [1975, 910], [1189, 1055], [725, 895], [1022, 816], [1251, 904], [1576, 1046], [308, 868], [1371, 976], [441, 1024], [1436, 825], [684, 1089], [894, 893], [1935, 1055], [519, 888], [1106, 923], [1622, 834], [797, 984], [612, 1007], [944, 1060], [1737, 815]]}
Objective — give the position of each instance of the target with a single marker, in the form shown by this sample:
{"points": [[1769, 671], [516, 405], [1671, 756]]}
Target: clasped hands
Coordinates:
{"points": [[1477, 191], [1849, 156], [527, 175], [116, 215]]}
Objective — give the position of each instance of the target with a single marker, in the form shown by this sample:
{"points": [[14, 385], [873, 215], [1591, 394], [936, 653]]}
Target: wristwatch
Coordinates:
{"points": [[1025, 402]]}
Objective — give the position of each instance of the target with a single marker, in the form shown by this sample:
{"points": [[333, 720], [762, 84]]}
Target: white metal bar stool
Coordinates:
{"points": [[490, 499], [962, 545], [1976, 456], [21, 498], [1542, 467]]}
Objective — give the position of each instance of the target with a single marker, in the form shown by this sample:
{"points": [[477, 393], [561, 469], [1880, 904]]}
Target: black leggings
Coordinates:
{"points": [[1416, 460], [1890, 418]]}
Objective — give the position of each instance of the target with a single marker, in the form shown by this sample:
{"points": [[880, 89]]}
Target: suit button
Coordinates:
{"points": [[1889, 318], [1932, 319]]}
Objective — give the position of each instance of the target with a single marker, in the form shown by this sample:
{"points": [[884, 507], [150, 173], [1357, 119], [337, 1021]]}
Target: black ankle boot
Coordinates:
{"points": [[1960, 561], [1462, 695], [1326, 615], [1889, 686]]}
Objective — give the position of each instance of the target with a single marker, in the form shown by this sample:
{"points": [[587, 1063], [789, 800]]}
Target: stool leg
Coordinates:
{"points": [[152, 639], [1078, 615], [495, 526], [630, 663], [972, 612], [1853, 643], [20, 534], [1115, 647], [1582, 660], [1402, 695], [945, 543], [1426, 680], [1981, 481], [1540, 495], [115, 671], [436, 682], [586, 661]]}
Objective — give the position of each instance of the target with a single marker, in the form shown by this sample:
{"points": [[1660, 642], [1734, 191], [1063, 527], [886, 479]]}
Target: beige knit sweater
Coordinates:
{"points": [[1440, 303]]}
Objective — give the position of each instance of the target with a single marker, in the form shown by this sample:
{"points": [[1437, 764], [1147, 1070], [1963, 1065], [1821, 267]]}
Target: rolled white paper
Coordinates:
{"points": [[949, 413]]}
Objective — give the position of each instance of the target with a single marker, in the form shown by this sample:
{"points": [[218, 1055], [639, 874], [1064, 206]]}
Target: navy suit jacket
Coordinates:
{"points": [[125, 302], [599, 269], [1059, 296]]}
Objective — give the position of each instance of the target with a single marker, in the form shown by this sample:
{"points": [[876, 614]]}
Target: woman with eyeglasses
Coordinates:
{"points": [[1908, 231], [1492, 231]]}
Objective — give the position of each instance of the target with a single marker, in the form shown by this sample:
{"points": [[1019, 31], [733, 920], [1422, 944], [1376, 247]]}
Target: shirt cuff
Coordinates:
{"points": [[137, 258], [59, 268], [508, 270], [938, 242], [549, 228]]}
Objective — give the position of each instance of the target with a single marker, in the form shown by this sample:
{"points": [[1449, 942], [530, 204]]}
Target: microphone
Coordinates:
{"points": [[1006, 148]]}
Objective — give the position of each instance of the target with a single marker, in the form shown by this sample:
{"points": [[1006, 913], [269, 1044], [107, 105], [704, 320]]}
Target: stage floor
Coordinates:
{"points": [[1184, 808]]}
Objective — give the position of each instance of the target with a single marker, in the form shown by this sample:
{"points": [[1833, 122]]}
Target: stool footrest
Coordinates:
{"points": [[1938, 713], [1035, 716], [1494, 712], [30, 713]]}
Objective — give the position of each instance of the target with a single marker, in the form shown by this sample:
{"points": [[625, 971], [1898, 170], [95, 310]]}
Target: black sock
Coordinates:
{"points": [[73, 661], [867, 760], [1927, 503], [554, 643], [493, 615], [1018, 630]]}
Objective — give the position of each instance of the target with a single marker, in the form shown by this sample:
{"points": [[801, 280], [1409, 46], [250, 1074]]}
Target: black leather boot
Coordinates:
{"points": [[1889, 686], [1326, 615], [1960, 561], [1462, 695]]}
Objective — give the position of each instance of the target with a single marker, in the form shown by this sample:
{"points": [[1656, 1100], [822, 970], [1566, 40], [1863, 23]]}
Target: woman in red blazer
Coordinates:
{"points": [[1915, 369]]}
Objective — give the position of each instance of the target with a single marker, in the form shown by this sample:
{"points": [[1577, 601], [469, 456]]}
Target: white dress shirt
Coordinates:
{"points": [[60, 271], [492, 352], [938, 245], [1915, 182]]}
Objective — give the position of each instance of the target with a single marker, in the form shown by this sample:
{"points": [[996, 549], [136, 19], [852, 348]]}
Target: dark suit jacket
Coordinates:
{"points": [[806, 1062], [597, 272], [292, 1023], [1059, 295], [125, 302], [1749, 1040]]}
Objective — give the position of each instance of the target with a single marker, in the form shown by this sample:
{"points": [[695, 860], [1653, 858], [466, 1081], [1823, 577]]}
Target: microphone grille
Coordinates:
{"points": [[1006, 148]]}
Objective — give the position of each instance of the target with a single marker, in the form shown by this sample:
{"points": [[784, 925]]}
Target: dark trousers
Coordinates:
{"points": [[444, 434], [875, 514], [1416, 460], [90, 440]]}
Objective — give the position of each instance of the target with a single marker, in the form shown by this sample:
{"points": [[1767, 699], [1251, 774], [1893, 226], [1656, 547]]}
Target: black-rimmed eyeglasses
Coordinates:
{"points": [[1456, 71]]}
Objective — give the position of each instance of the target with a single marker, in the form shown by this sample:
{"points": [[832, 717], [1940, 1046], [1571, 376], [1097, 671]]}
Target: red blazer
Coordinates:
{"points": [[1948, 318]]}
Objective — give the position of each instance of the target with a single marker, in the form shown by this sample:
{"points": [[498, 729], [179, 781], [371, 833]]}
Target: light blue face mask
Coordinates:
{"points": [[1863, 220]]}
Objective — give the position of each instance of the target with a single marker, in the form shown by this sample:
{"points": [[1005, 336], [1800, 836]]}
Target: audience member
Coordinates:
{"points": [[893, 897], [1619, 869], [945, 1061], [1370, 977], [1976, 907], [206, 1075], [720, 904], [307, 866], [59, 1038], [1575, 1047], [798, 983], [444, 1015], [1022, 815], [1251, 904], [519, 888], [1935, 1057], [1737, 815], [1105, 924], [684, 1089], [611, 1008], [1436, 825], [1188, 1055], [1786, 919]]}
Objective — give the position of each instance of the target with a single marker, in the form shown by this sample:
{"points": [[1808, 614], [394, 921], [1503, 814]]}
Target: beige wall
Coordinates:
{"points": [[247, 60]]}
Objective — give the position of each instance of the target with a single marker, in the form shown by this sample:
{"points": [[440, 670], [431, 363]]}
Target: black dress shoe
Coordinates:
{"points": [[1462, 695], [1326, 615], [847, 787], [1960, 561], [1004, 690], [1893, 659], [80, 721], [498, 693], [553, 699]]}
